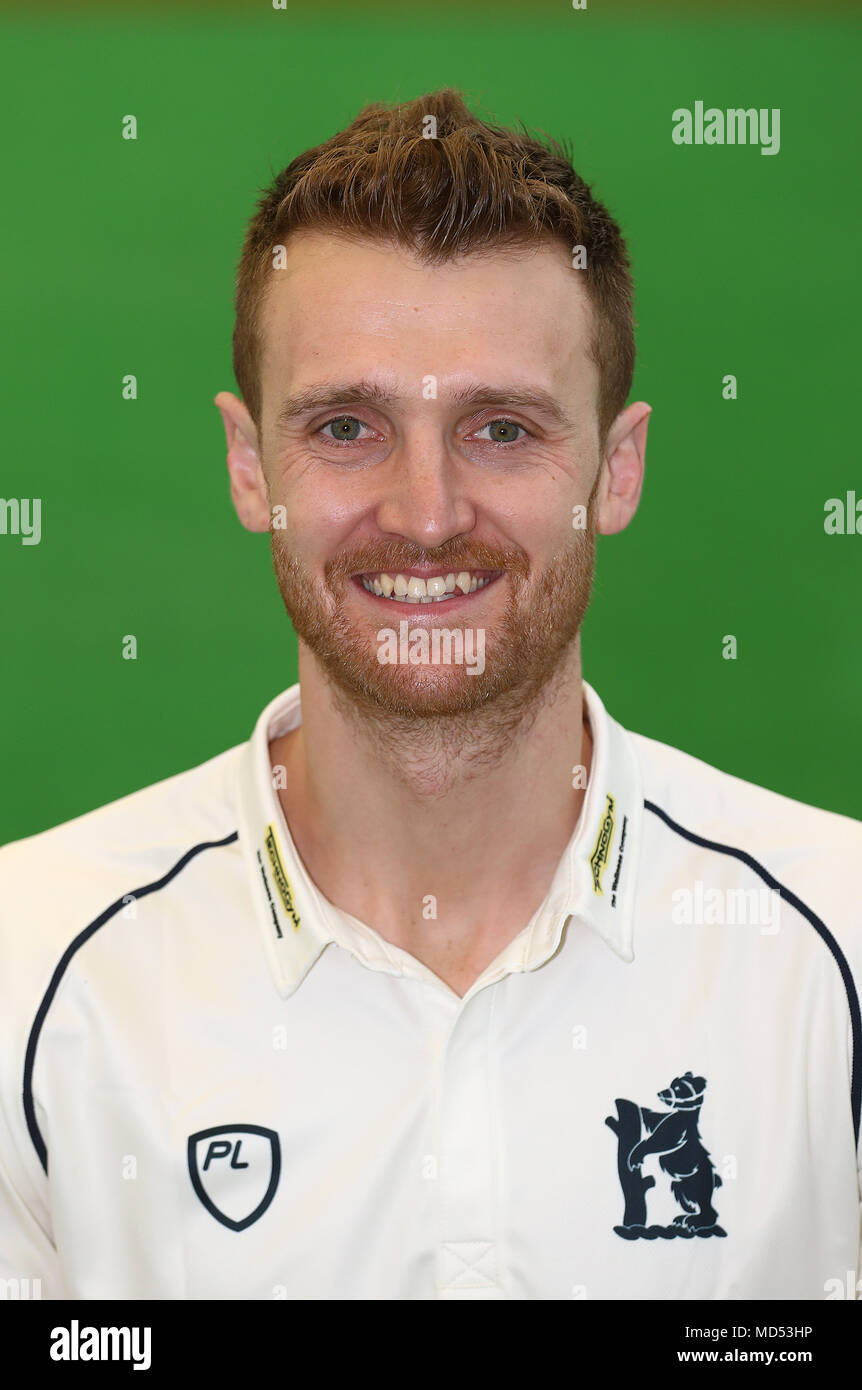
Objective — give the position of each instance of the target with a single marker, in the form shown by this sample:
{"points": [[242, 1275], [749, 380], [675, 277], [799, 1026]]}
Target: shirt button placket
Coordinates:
{"points": [[468, 1254]]}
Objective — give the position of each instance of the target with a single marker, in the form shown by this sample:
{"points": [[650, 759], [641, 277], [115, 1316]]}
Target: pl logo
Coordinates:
{"points": [[235, 1170]]}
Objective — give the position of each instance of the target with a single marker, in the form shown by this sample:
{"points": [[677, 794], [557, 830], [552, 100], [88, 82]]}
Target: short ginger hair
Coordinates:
{"points": [[470, 188]]}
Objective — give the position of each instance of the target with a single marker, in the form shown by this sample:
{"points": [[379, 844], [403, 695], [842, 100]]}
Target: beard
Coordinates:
{"points": [[525, 646]]}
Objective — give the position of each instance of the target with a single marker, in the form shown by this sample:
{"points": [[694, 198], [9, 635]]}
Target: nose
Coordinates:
{"points": [[424, 492]]}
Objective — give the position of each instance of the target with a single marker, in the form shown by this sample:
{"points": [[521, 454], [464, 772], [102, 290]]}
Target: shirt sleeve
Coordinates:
{"points": [[30, 1267], [29, 1264]]}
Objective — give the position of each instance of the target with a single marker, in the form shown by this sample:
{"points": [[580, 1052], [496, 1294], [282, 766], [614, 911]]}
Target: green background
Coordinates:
{"points": [[119, 258]]}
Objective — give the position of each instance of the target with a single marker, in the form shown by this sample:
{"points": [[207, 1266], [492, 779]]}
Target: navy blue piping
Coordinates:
{"points": [[41, 1013], [822, 931]]}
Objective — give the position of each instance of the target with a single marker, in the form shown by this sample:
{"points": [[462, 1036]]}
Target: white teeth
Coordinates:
{"points": [[415, 590]]}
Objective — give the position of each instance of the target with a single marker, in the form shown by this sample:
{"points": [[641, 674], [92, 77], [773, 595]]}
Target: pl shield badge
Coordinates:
{"points": [[235, 1170]]}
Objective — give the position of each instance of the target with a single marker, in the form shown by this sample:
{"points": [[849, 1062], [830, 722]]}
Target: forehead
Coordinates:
{"points": [[366, 306]]}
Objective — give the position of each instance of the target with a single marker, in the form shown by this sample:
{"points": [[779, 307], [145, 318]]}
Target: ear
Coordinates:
{"points": [[248, 486], [622, 471]]}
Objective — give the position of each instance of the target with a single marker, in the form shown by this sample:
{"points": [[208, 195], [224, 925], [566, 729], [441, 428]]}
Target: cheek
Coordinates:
{"points": [[540, 501], [541, 521], [321, 507]]}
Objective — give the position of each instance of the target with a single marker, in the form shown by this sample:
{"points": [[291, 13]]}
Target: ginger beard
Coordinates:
{"points": [[524, 646]]}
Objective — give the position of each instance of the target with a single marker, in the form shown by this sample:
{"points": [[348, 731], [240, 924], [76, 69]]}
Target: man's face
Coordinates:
{"points": [[424, 424]]}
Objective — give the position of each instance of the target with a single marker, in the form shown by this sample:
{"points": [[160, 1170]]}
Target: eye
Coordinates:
{"points": [[502, 431], [345, 428]]}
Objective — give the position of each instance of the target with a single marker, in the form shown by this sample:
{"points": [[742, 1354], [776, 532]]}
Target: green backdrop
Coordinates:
{"points": [[119, 258]]}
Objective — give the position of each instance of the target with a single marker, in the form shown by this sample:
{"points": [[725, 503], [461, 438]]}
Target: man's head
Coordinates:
{"points": [[434, 346]]}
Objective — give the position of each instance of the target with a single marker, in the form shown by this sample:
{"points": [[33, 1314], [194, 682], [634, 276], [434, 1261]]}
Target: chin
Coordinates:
{"points": [[409, 693]]}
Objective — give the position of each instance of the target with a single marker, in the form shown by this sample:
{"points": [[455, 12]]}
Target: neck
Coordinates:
{"points": [[471, 814]]}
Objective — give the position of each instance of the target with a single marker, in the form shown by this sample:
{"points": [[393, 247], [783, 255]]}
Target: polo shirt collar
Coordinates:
{"points": [[594, 883]]}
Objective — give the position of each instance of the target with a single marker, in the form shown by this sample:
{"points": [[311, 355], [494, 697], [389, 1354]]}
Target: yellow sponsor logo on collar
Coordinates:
{"points": [[279, 873], [601, 853]]}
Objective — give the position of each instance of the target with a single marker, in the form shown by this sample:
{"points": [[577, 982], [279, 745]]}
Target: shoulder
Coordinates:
{"points": [[56, 884], [809, 852], [718, 804]]}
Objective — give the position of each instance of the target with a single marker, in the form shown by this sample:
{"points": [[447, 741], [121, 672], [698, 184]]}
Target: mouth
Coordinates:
{"points": [[426, 587]]}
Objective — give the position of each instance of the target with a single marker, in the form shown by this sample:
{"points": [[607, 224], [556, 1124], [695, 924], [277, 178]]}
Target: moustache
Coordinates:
{"points": [[393, 557]]}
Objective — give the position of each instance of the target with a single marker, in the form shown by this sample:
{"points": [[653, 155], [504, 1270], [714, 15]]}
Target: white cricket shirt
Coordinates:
{"points": [[215, 1084]]}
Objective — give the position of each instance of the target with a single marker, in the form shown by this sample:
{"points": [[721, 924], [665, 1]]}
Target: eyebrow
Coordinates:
{"points": [[369, 393]]}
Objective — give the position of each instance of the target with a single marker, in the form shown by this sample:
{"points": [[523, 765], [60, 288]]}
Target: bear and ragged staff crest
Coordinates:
{"points": [[674, 1135]]}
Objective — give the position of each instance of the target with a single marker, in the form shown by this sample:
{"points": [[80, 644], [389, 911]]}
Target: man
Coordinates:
{"points": [[444, 985]]}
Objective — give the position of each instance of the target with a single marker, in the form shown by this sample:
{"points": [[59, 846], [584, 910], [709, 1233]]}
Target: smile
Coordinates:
{"points": [[438, 588]]}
